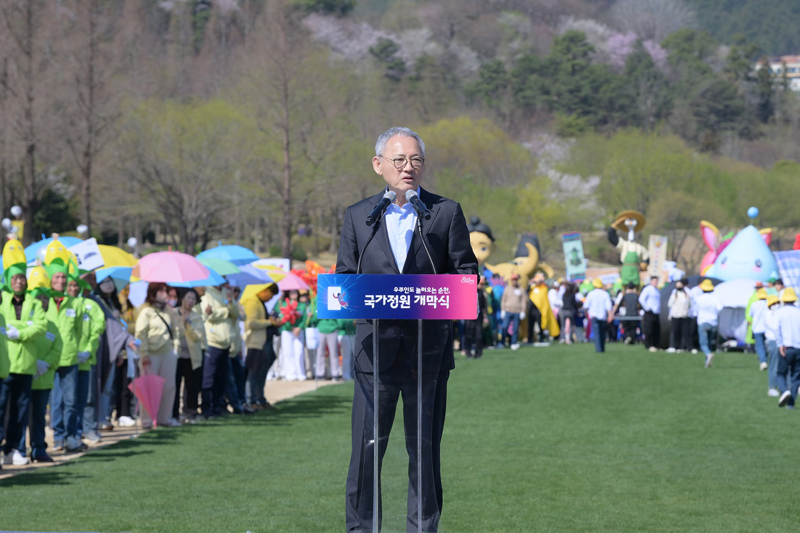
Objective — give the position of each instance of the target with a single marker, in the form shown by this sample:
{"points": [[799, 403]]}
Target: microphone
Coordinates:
{"points": [[413, 197], [377, 213]]}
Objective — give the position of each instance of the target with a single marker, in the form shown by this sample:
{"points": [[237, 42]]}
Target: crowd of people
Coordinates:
{"points": [[76, 345], [592, 311]]}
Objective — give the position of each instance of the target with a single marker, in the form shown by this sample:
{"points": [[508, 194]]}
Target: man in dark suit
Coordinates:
{"points": [[397, 249]]}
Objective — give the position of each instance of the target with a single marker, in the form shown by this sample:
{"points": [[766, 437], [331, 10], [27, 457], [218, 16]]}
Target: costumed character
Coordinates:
{"points": [[481, 240], [525, 263], [546, 318], [746, 256], [633, 256]]}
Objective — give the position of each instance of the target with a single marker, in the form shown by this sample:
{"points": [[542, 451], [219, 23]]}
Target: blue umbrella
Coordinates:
{"points": [[121, 276], [213, 280], [238, 255], [30, 251], [249, 275]]}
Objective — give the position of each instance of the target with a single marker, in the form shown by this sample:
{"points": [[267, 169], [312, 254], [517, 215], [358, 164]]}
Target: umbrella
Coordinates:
{"points": [[120, 275], [238, 255], [213, 280], [116, 257], [30, 251], [223, 267], [148, 390], [276, 273], [253, 290], [138, 293], [171, 268], [249, 275], [290, 282]]}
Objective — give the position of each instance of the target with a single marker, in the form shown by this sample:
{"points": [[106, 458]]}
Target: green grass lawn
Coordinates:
{"points": [[545, 439]]}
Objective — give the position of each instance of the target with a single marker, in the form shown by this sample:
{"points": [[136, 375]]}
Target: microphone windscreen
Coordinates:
{"points": [[391, 195], [410, 195]]}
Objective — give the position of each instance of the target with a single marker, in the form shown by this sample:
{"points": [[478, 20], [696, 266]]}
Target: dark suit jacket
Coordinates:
{"points": [[448, 241]]}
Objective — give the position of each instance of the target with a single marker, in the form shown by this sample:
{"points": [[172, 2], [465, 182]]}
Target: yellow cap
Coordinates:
{"points": [[597, 283], [37, 278], [772, 299], [789, 295], [707, 286], [761, 293]]}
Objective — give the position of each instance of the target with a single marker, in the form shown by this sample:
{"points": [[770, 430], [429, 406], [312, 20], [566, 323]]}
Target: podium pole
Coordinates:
{"points": [[375, 435], [419, 425]]}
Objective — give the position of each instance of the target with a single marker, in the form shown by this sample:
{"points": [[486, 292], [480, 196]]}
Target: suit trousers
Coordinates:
{"points": [[651, 327], [399, 380]]}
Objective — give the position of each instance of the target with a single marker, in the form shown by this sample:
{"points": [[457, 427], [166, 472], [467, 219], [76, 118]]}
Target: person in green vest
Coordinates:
{"points": [[24, 322], [292, 317], [65, 312], [93, 324], [48, 350]]}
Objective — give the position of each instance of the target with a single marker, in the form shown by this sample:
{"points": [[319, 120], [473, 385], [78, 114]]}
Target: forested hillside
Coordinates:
{"points": [[252, 121]]}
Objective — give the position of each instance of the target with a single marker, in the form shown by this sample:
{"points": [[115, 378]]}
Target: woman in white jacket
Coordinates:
{"points": [[679, 303]]}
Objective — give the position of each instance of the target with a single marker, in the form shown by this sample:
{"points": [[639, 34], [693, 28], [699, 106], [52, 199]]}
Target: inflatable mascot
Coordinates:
{"points": [[633, 256]]}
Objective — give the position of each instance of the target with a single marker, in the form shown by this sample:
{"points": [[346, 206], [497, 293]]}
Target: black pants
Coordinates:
{"points": [[681, 335], [215, 375], [15, 399], [123, 397], [651, 327], [474, 337], [393, 384], [534, 317], [192, 379]]}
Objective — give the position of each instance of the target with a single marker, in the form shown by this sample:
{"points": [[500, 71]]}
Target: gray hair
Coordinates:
{"points": [[380, 146]]}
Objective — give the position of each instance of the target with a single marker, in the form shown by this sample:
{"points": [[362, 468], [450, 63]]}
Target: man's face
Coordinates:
{"points": [[653, 282], [59, 282], [779, 287], [19, 283], [406, 179], [73, 289]]}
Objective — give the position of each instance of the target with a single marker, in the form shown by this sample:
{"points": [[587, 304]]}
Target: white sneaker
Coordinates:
{"points": [[515, 346], [671, 350], [653, 349], [709, 358], [773, 393], [694, 350], [172, 423], [784, 399], [762, 366], [15, 458], [126, 422]]}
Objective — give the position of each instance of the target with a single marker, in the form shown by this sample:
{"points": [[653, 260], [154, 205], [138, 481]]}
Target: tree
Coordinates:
{"points": [[327, 7], [652, 19], [648, 88]]}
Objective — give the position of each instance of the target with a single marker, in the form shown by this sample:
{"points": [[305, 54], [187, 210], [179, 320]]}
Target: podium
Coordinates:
{"points": [[424, 297]]}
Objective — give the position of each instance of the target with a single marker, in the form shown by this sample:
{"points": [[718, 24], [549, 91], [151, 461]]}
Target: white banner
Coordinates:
{"points": [[88, 254]]}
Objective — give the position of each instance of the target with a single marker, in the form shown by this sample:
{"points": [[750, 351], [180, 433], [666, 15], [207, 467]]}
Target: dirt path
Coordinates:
{"points": [[275, 391]]}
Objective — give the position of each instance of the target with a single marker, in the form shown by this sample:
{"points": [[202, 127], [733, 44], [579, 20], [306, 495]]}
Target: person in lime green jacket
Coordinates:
{"points": [[5, 364], [93, 325], [66, 313], [48, 349], [24, 322]]}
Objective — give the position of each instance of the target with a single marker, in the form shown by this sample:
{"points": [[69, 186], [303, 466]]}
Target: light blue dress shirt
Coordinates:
{"points": [[597, 304], [788, 334], [650, 299], [400, 222]]}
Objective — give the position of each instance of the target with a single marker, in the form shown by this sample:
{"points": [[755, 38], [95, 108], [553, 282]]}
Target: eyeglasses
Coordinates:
{"points": [[400, 162]]}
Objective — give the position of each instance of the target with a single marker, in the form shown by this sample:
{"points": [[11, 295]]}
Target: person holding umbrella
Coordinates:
{"points": [[24, 322], [65, 312], [155, 330]]}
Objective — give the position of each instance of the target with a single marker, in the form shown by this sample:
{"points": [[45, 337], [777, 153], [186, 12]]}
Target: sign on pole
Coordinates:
{"points": [[573, 256], [88, 254], [658, 255]]}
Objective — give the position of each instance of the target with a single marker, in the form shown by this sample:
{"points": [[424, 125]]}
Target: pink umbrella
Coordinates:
{"points": [[170, 267], [148, 389], [290, 282]]}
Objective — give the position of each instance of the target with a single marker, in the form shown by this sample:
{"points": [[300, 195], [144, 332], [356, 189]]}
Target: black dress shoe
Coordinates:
{"points": [[43, 458]]}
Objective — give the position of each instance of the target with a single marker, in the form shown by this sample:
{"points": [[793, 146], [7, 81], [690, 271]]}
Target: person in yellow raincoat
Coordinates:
{"points": [[547, 319]]}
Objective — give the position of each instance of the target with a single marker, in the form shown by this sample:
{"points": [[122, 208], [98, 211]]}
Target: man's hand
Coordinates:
{"points": [[41, 369], [83, 357], [782, 349], [522, 315], [12, 333]]}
